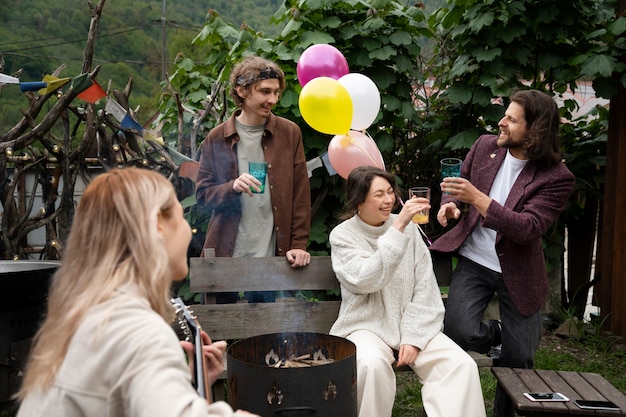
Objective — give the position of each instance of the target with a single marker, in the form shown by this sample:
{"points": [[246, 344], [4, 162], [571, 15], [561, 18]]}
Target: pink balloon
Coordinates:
{"points": [[355, 149], [321, 60]]}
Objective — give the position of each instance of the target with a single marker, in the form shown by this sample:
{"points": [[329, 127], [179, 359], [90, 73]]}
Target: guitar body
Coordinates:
{"points": [[193, 333]]}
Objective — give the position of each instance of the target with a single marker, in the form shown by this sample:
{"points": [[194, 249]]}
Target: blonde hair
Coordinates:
{"points": [[113, 240]]}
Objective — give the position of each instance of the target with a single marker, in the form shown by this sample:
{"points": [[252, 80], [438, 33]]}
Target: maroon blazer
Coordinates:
{"points": [[533, 205]]}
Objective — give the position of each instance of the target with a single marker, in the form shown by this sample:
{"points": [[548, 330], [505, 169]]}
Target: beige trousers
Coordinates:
{"points": [[451, 386]]}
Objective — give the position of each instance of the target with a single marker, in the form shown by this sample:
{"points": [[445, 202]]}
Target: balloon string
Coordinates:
{"points": [[365, 152]]}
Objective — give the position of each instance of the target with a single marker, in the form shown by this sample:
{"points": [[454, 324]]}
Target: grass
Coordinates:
{"points": [[593, 353]]}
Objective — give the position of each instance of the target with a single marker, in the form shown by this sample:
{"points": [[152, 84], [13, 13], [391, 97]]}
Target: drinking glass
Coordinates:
{"points": [[424, 192], [451, 167], [259, 171]]}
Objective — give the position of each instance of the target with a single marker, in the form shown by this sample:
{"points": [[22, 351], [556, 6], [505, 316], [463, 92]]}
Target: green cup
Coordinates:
{"points": [[259, 171], [451, 167]]}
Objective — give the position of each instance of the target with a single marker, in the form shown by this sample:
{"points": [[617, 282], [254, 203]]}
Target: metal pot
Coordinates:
{"points": [[323, 390], [23, 291]]}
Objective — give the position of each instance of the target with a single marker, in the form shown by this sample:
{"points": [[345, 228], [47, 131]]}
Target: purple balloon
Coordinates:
{"points": [[321, 60]]}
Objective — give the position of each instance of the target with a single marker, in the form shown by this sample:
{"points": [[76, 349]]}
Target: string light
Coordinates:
{"points": [[42, 210], [16, 258], [144, 162], [8, 151], [55, 148]]}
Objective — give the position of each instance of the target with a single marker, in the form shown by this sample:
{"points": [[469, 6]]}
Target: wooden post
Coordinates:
{"points": [[611, 290]]}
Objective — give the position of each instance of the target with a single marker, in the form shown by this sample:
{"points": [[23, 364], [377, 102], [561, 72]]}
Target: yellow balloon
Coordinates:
{"points": [[326, 106]]}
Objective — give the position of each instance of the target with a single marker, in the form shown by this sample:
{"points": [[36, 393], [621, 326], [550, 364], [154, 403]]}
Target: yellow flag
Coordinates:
{"points": [[54, 83]]}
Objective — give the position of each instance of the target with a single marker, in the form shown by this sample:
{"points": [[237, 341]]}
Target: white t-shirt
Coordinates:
{"points": [[480, 246]]}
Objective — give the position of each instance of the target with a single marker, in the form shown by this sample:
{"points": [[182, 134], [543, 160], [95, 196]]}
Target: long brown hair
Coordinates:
{"points": [[113, 241], [358, 186], [542, 126]]}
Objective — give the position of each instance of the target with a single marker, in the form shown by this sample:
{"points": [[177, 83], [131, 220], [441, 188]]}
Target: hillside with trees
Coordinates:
{"points": [[38, 36]]}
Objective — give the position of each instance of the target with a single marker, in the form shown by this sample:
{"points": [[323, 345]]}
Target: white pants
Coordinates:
{"points": [[451, 385]]}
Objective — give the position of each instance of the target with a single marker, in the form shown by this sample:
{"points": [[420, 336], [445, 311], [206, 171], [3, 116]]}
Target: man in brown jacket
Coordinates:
{"points": [[277, 221], [516, 186]]}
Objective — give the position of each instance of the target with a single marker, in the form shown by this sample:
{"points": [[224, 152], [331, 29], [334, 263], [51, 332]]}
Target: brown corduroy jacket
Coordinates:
{"points": [[287, 178]]}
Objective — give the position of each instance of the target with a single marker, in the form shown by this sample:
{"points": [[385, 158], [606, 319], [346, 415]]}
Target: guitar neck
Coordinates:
{"points": [[193, 332], [201, 368]]}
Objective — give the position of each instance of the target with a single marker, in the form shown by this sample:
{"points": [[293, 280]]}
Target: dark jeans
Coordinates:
{"points": [[471, 288]]}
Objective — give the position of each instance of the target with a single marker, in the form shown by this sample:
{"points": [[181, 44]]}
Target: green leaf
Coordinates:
{"points": [[478, 23], [603, 65], [374, 24], [400, 38], [618, 27], [385, 142], [487, 55], [383, 53], [547, 14], [197, 96], [313, 38], [463, 140], [458, 93], [189, 201], [332, 22], [452, 18]]}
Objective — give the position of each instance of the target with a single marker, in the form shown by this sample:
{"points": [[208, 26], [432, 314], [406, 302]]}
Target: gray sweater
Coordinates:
{"points": [[387, 283]]}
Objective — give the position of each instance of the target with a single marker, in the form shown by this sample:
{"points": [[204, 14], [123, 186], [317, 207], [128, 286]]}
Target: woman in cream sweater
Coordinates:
{"points": [[391, 303]]}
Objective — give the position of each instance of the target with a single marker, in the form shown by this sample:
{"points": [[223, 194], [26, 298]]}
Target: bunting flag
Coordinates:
{"points": [[7, 79], [312, 164], [328, 165], [81, 82], [152, 137], [116, 110], [54, 83], [92, 93], [130, 123], [32, 86]]}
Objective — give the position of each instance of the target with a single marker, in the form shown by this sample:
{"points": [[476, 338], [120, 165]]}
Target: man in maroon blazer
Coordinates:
{"points": [[516, 186]]}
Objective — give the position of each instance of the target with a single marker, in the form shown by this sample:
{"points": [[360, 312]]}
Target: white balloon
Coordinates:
{"points": [[365, 99]]}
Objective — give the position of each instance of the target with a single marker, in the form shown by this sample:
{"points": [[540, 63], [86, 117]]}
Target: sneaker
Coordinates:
{"points": [[494, 353], [496, 349], [497, 331]]}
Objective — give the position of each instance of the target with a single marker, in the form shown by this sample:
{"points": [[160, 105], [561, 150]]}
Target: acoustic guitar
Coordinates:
{"points": [[193, 333]]}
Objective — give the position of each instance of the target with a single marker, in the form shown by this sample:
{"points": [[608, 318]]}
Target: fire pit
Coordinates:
{"points": [[293, 374]]}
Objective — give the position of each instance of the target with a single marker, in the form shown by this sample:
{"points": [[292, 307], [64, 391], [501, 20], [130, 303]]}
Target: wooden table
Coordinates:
{"points": [[574, 385]]}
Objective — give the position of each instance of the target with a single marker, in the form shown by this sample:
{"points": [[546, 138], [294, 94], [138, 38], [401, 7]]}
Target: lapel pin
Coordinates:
{"points": [[493, 155]]}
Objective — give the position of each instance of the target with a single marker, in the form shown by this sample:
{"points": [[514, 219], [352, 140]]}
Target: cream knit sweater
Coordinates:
{"points": [[387, 283]]}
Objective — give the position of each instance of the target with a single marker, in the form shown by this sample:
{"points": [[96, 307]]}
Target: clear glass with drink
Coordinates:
{"points": [[423, 192], [451, 167]]}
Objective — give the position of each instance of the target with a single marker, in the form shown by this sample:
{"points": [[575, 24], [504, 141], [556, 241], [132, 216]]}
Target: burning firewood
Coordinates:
{"points": [[302, 361]]}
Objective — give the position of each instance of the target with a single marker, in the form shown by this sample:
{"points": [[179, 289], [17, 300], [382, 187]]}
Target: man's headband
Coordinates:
{"points": [[264, 74]]}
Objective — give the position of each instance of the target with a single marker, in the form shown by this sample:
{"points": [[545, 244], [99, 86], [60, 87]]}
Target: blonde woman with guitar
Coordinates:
{"points": [[106, 347]]}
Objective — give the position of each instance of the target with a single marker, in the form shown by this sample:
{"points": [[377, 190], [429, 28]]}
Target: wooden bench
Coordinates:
{"points": [[573, 385], [213, 275]]}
